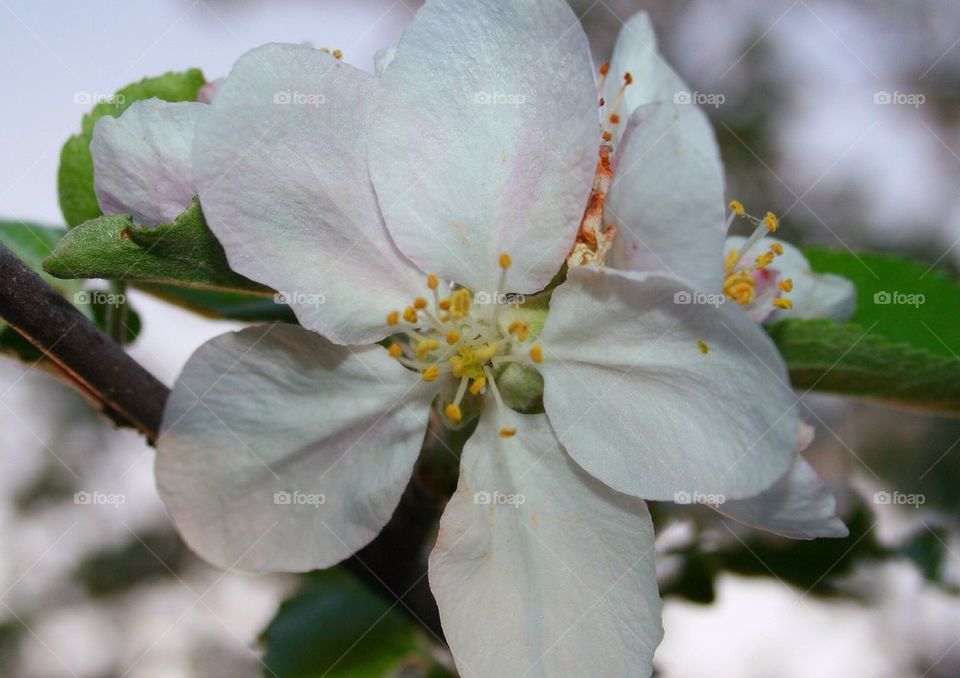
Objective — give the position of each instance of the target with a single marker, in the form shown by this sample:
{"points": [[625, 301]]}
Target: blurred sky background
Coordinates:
{"points": [[805, 132]]}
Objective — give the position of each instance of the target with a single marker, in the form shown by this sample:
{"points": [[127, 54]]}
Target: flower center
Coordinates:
{"points": [[463, 338], [741, 277]]}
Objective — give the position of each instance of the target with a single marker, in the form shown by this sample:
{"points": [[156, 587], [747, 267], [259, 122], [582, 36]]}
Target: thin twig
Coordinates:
{"points": [[94, 363]]}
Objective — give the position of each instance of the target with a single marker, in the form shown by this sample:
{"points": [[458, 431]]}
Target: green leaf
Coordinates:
{"points": [[899, 299], [184, 252], [337, 628], [855, 360], [32, 243], [78, 202]]}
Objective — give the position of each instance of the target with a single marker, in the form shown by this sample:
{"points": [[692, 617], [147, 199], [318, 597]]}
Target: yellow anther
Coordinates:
{"points": [[337, 54], [484, 353], [519, 328], [737, 207], [764, 260], [607, 136], [505, 260], [452, 337], [425, 346], [478, 385], [781, 302], [740, 287], [432, 282], [460, 303], [456, 364], [771, 222], [733, 256], [702, 345], [453, 412], [395, 350], [444, 304], [536, 354], [393, 317], [776, 248], [786, 285], [508, 432], [410, 314], [431, 373], [419, 303]]}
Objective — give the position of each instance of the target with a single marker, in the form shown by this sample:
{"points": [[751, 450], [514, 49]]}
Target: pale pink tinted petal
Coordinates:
{"points": [[657, 392], [666, 201], [280, 162], [283, 452], [486, 138], [539, 569], [142, 161]]}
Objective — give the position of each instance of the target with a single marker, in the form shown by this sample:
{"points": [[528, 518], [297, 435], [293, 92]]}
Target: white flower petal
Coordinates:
{"points": [[653, 81], [814, 295], [799, 506], [562, 584], [666, 201], [383, 58], [637, 402], [486, 139], [142, 161], [283, 452], [280, 162]]}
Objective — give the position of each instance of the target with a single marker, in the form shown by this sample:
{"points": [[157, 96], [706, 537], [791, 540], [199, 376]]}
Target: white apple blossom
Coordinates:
{"points": [[785, 287], [414, 204]]}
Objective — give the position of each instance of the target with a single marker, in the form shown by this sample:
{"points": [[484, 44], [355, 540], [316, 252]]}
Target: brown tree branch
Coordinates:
{"points": [[393, 563], [93, 362]]}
